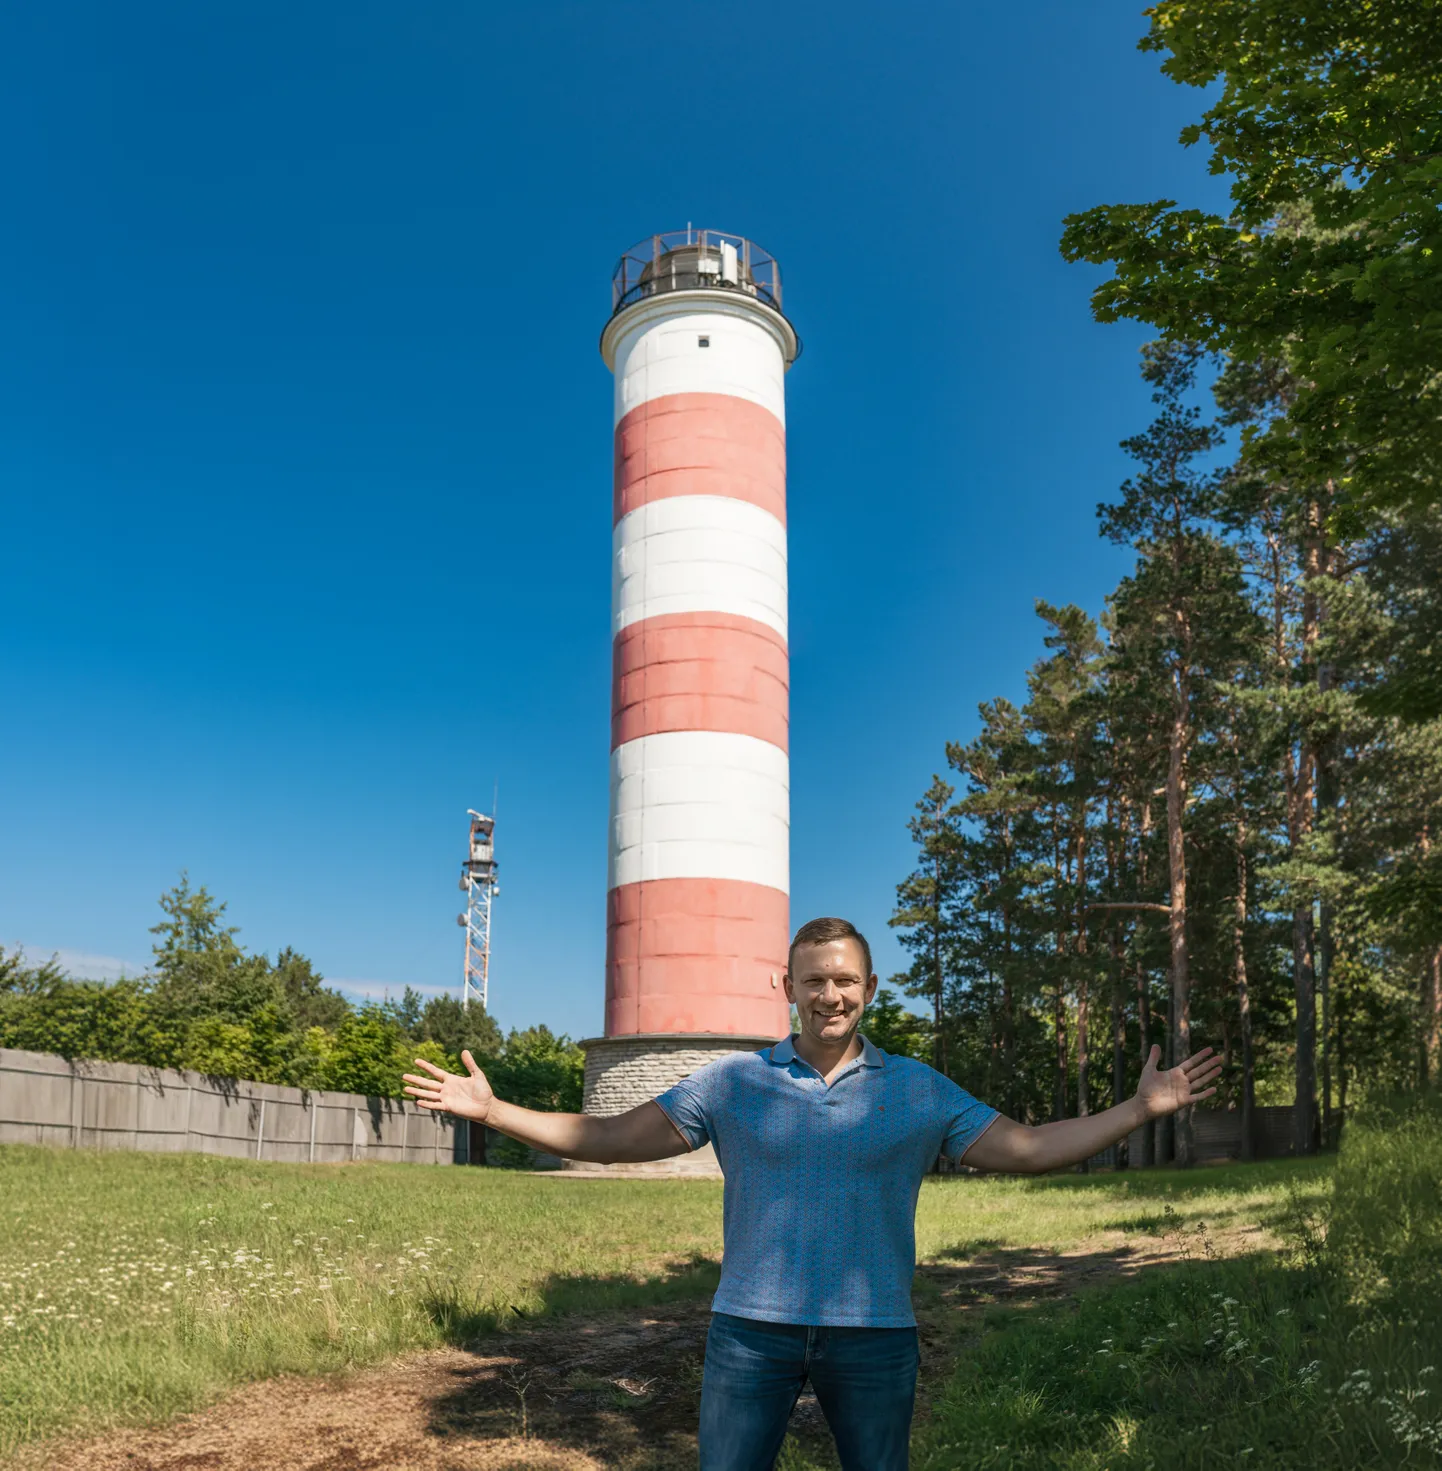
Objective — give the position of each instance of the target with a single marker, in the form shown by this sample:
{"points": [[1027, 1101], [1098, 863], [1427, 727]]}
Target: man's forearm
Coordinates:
{"points": [[565, 1134], [602, 1141], [1070, 1141]]}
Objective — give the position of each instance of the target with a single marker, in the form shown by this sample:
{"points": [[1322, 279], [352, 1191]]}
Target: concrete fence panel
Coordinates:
{"points": [[1217, 1136], [115, 1105]]}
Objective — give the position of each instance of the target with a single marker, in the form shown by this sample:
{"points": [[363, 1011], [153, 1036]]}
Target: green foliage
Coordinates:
{"points": [[304, 993], [540, 1070], [1239, 693], [120, 1022], [1322, 289], [536, 1069], [458, 1029], [211, 1007], [191, 927], [895, 1029], [1328, 120], [367, 1054], [18, 978]]}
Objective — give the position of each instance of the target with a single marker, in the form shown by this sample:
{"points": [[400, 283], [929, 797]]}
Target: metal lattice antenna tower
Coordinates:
{"points": [[478, 880]]}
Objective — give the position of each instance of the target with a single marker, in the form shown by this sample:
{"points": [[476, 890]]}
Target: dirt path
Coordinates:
{"points": [[613, 1392]]}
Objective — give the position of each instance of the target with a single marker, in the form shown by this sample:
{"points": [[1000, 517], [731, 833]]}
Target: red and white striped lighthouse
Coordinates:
{"points": [[697, 903]]}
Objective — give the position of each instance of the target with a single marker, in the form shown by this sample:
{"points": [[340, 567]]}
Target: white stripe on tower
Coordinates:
{"points": [[699, 554], [700, 806], [659, 358]]}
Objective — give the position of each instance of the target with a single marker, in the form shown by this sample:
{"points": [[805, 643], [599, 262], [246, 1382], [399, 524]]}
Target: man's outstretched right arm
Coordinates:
{"points": [[642, 1133]]}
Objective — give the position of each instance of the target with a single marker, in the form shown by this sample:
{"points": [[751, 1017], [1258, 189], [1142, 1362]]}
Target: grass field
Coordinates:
{"points": [[133, 1287], [1326, 1356]]}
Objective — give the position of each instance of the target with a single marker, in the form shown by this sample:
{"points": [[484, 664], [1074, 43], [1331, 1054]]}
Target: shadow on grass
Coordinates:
{"points": [[609, 1365], [465, 1325], [1154, 1224], [964, 1251], [980, 1273]]}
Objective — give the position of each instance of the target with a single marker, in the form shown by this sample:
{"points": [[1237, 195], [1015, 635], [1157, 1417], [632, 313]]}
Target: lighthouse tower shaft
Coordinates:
{"points": [[699, 868]]}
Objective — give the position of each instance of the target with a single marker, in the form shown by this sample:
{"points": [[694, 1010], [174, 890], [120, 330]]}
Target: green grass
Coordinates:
{"points": [[134, 1287], [960, 1215], [1327, 1355]]}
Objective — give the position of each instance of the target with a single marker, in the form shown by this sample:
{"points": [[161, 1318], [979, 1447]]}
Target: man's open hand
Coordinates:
{"points": [[1164, 1091], [467, 1097]]}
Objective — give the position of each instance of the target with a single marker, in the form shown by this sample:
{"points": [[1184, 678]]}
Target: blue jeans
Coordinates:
{"points": [[864, 1378]]}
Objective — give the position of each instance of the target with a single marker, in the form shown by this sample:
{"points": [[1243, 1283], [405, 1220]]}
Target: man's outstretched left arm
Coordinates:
{"points": [[1018, 1149]]}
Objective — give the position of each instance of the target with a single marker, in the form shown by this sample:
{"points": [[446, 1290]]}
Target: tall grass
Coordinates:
{"points": [[1324, 1356]]}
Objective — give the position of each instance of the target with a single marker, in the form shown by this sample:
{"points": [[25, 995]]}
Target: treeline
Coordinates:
{"points": [[1215, 818], [209, 1006]]}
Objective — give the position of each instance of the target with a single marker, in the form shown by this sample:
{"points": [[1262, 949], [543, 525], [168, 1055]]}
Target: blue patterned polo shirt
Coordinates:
{"points": [[819, 1213]]}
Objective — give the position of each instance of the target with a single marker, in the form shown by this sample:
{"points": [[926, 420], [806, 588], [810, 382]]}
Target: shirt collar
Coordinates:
{"points": [[783, 1053]]}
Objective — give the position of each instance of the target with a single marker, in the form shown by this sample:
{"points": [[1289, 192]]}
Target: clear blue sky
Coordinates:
{"points": [[305, 442]]}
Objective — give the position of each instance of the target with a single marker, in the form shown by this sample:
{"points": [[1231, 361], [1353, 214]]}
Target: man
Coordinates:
{"points": [[823, 1139]]}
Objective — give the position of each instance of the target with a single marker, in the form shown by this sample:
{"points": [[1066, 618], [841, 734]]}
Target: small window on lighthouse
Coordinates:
{"points": [[703, 342]]}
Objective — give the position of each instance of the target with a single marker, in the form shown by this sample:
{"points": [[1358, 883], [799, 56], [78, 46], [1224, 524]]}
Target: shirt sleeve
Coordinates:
{"points": [[966, 1118], [689, 1105]]}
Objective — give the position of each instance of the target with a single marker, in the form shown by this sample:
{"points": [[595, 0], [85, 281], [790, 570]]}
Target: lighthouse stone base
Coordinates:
{"points": [[622, 1072]]}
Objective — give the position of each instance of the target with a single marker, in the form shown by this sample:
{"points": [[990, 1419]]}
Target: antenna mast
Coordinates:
{"points": [[478, 881]]}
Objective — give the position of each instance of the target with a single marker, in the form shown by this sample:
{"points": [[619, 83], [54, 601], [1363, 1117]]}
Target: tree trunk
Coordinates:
{"points": [[1008, 1012], [1329, 811], [1304, 1108], [1119, 1046], [1058, 1090], [1304, 960], [1118, 1024], [1244, 1004], [1324, 992], [1341, 1014], [1179, 1032], [1144, 999], [1144, 1013], [1058, 1097], [1429, 1030], [1083, 1107], [1432, 1016], [1083, 1101], [1008, 1018], [938, 1036]]}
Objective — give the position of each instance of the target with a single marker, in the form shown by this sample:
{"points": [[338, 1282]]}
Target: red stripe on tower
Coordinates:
{"points": [[669, 939], [701, 444], [699, 671]]}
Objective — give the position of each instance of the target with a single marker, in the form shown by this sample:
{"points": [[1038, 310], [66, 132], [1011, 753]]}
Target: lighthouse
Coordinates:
{"points": [[697, 907]]}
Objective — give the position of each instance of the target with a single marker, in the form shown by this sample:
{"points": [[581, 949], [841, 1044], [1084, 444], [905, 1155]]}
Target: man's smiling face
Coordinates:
{"points": [[830, 989]]}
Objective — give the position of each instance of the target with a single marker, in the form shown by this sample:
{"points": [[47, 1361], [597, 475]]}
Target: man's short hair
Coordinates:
{"points": [[822, 932]]}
